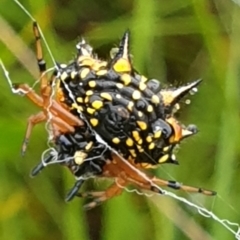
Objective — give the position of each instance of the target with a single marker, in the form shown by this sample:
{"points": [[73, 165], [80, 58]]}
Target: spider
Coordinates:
{"points": [[130, 134], [63, 121], [132, 114]]}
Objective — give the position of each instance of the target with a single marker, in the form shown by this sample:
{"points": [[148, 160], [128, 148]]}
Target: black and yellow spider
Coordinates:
{"points": [[108, 99]]}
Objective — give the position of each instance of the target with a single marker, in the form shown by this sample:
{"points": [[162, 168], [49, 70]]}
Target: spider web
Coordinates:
{"points": [[234, 228]]}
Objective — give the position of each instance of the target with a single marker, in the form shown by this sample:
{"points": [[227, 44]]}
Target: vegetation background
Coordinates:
{"points": [[173, 41]]}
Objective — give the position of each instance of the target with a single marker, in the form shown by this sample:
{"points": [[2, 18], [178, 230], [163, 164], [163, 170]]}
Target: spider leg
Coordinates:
{"points": [[73, 192], [61, 118], [45, 87], [152, 184], [178, 186], [55, 107], [36, 170], [44, 84], [132, 174], [41, 117], [32, 121], [91, 194], [100, 197], [136, 177]]}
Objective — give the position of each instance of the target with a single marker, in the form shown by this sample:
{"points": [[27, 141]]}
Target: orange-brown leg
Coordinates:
{"points": [[135, 176], [131, 174], [61, 120], [99, 197], [45, 86], [55, 122], [152, 184], [55, 108], [178, 186], [44, 83], [32, 121]]}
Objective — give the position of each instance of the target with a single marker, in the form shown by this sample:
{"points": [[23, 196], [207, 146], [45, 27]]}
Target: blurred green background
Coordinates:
{"points": [[173, 41]]}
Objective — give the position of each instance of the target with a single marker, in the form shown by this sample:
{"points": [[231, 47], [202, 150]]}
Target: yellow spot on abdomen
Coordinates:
{"points": [[86, 99], [143, 79], [151, 146], [147, 165], [89, 93], [140, 114], [73, 74], [142, 86], [155, 99], [89, 146], [92, 84], [63, 76], [136, 95], [136, 135], [79, 157], [129, 142], [142, 125], [166, 149], [122, 65], [75, 106], [106, 96], [140, 149], [149, 139], [91, 110], [85, 61], [80, 100], [157, 134], [119, 85], [97, 104], [101, 72], [116, 140], [163, 159], [133, 153], [130, 106], [94, 122], [150, 108], [84, 73], [126, 79]]}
